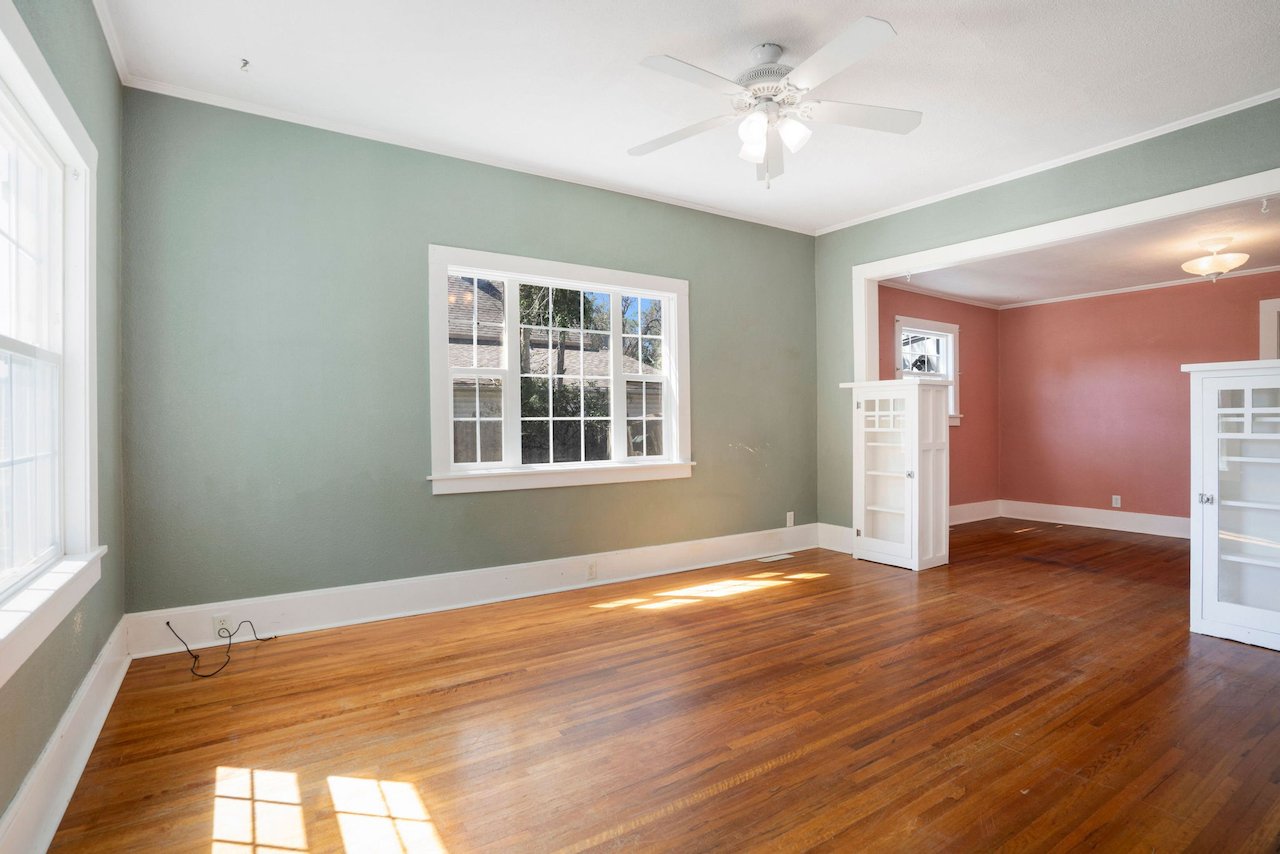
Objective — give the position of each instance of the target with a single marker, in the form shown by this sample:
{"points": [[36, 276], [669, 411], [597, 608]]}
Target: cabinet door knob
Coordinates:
{"points": [[911, 474], [1205, 498]]}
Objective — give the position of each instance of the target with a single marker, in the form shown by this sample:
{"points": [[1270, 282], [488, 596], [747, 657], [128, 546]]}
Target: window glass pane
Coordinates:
{"points": [[535, 444], [23, 389], [567, 353], [490, 397], [32, 194], [535, 305], [650, 317], [630, 355], [566, 398], [8, 182], [464, 441], [595, 311], [653, 438], [653, 399], [595, 440], [595, 399], [462, 327], [566, 441], [651, 355], [635, 400], [8, 286], [596, 357], [534, 397], [490, 441], [464, 398], [566, 308], [635, 438], [630, 315], [534, 351]]}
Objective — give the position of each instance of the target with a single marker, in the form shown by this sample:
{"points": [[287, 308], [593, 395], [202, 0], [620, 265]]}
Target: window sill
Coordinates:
{"points": [[31, 615], [496, 480], [955, 420]]}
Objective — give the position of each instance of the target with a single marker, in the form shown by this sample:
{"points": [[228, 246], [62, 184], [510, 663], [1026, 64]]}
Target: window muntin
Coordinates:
{"points": [[30, 352], [923, 353], [566, 345]]}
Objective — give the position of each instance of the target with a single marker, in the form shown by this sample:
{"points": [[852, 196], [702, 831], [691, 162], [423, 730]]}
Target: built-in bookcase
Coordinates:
{"points": [[900, 472], [1235, 501]]}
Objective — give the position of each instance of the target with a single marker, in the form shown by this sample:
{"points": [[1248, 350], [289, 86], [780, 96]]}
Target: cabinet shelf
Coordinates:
{"points": [[886, 473], [1272, 460], [885, 509], [884, 444], [1251, 505], [1255, 561]]}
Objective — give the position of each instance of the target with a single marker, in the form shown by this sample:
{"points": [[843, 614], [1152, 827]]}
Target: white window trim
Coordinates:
{"points": [[952, 331], [1269, 329], [31, 613], [446, 480]]}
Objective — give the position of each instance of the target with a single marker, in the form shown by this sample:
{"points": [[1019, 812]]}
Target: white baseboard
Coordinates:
{"points": [[1091, 517], [975, 512], [309, 610], [838, 538], [36, 810]]}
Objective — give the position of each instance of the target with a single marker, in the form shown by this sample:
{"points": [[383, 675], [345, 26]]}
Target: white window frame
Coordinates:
{"points": [[447, 477], [950, 334], [33, 609]]}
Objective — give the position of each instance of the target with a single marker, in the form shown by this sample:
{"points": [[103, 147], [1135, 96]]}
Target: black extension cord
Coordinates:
{"points": [[222, 633]]}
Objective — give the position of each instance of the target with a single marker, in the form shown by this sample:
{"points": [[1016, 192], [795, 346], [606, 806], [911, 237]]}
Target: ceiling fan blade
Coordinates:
{"points": [[676, 136], [773, 154], [692, 74], [864, 116], [862, 37]]}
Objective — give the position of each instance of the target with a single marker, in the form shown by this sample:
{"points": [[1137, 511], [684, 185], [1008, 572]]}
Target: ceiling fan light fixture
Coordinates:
{"points": [[754, 151], [1214, 265], [753, 128], [794, 133]]}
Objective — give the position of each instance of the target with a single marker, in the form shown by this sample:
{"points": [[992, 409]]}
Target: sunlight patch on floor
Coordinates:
{"points": [[383, 817], [720, 589], [257, 811], [804, 576]]}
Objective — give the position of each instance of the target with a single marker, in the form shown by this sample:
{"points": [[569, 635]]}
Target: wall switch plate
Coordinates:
{"points": [[1115, 501], [791, 518]]}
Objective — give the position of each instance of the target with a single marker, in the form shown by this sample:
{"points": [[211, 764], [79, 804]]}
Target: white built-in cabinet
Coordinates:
{"points": [[1235, 501], [901, 472]]}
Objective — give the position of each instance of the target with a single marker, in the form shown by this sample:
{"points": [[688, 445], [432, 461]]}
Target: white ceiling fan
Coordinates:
{"points": [[771, 100]]}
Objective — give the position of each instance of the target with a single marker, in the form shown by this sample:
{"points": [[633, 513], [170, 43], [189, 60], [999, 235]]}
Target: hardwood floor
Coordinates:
{"points": [[1040, 693]]}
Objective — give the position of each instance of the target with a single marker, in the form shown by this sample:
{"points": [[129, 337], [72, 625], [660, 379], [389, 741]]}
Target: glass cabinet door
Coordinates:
{"points": [[1242, 518], [886, 476]]}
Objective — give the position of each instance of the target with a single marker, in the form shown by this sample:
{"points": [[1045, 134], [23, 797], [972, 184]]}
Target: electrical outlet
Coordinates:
{"points": [[220, 623], [592, 574], [791, 518], [1115, 501]]}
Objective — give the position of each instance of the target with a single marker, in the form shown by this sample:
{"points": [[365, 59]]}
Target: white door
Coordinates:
{"points": [[886, 478], [1242, 518]]}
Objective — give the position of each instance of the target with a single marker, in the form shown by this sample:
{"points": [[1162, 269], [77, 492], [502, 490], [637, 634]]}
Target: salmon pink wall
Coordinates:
{"points": [[1092, 399], [975, 443]]}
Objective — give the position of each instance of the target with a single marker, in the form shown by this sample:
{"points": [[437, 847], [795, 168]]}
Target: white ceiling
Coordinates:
{"points": [[1147, 254], [555, 86]]}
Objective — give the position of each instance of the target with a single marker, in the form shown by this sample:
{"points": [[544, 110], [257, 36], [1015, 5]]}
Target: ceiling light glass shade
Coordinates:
{"points": [[1215, 265], [753, 152], [754, 128], [794, 134]]}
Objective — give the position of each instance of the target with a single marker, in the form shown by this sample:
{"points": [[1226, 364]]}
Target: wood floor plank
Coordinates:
{"points": [[1040, 693]]}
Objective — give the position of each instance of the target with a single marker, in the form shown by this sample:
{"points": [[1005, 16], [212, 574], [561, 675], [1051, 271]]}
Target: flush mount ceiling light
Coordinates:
{"points": [[771, 101], [1214, 265]]}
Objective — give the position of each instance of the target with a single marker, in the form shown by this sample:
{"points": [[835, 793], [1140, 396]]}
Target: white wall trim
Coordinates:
{"points": [[1093, 517], [916, 289], [1180, 124], [975, 512], [36, 810], [838, 538], [290, 613]]}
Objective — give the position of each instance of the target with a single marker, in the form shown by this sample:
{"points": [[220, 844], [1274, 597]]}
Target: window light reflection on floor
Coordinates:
{"points": [[804, 576], [382, 817], [728, 587], [619, 603], [663, 604], [257, 812], [765, 575]]}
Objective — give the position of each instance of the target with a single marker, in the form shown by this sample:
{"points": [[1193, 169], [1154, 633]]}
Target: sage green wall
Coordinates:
{"points": [[35, 697], [277, 431], [1238, 144]]}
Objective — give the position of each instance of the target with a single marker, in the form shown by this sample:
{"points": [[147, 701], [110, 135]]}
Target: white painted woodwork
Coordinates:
{"points": [[1235, 500], [901, 461]]}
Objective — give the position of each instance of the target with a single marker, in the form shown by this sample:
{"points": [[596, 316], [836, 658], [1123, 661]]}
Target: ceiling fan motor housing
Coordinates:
{"points": [[765, 81]]}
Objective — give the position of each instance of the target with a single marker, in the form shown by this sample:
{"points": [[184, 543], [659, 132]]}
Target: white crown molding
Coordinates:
{"points": [[36, 810], [925, 292], [112, 35], [1156, 286], [1180, 124]]}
